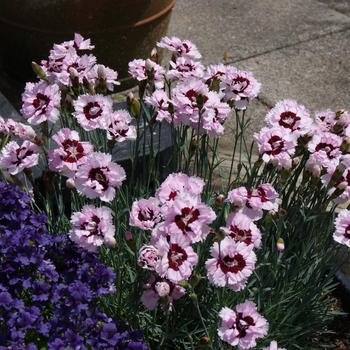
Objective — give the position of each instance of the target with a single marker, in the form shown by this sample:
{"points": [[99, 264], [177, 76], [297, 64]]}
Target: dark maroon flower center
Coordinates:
{"points": [[92, 226], [172, 195], [74, 150], [146, 214], [92, 110], [347, 232], [22, 156], [288, 120], [241, 235], [188, 215], [242, 324], [240, 84], [277, 145], [232, 264], [97, 174], [262, 194], [41, 102], [176, 256], [326, 147]]}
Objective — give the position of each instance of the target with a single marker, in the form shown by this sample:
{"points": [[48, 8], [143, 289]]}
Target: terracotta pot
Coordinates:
{"points": [[121, 30]]}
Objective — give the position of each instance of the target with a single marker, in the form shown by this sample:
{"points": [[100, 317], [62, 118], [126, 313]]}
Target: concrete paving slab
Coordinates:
{"points": [[241, 29], [342, 6], [316, 73]]}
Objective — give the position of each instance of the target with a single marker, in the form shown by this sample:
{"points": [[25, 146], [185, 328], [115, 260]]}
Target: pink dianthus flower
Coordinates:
{"points": [[91, 226], [70, 154], [240, 86], [15, 158], [290, 115], [177, 258], [160, 290], [231, 265], [145, 213], [342, 228], [90, 109], [242, 229], [184, 48], [98, 177], [277, 146], [117, 125], [41, 103], [243, 327]]}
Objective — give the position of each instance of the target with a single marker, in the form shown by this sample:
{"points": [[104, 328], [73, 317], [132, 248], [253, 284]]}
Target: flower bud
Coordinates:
{"points": [[88, 86], [269, 216], [258, 163], [339, 113], [219, 200], [110, 242], [102, 80], [201, 98], [194, 280], [184, 284], [74, 77], [129, 98], [130, 241], [282, 213], [280, 244], [154, 55], [220, 235], [203, 342], [39, 71], [162, 288], [70, 183]]}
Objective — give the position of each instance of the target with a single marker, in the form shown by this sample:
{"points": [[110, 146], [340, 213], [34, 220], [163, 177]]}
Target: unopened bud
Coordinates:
{"points": [[154, 55], [284, 175], [269, 216], [39, 71], [184, 284], [74, 77], [110, 242], [219, 200], [135, 108], [194, 280], [258, 163], [70, 183], [129, 98], [282, 213], [280, 244], [339, 113], [194, 298], [203, 342], [220, 235], [201, 98], [130, 241], [88, 86], [102, 80]]}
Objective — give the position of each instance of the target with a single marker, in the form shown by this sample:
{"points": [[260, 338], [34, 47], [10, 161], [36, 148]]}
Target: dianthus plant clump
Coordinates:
{"points": [[121, 226]]}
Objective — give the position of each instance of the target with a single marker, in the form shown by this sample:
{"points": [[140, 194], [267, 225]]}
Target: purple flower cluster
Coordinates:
{"points": [[49, 286]]}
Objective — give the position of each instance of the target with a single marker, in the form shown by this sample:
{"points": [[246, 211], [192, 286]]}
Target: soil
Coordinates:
{"points": [[339, 339]]}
